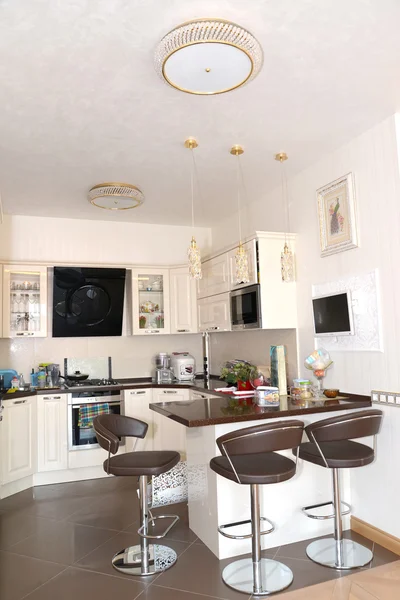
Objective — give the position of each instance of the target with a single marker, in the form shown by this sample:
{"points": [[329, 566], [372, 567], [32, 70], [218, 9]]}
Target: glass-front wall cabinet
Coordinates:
{"points": [[150, 301], [24, 301]]}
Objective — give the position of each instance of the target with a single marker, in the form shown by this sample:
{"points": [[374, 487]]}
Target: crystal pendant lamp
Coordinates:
{"points": [[287, 257], [241, 260], [193, 250]]}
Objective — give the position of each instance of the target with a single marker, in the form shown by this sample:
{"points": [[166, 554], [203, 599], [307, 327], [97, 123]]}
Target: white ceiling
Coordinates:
{"points": [[81, 103]]}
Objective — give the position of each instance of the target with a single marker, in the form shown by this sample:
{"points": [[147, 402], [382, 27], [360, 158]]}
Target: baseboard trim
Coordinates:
{"points": [[388, 541]]}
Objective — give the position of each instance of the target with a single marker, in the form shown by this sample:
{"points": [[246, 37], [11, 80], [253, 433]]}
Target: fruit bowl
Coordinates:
{"points": [[331, 393]]}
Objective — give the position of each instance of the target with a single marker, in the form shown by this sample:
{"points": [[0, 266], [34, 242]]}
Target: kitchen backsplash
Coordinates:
{"points": [[131, 356], [253, 346]]}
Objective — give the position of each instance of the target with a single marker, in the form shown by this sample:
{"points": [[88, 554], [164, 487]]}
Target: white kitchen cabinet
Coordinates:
{"points": [[215, 279], [214, 313], [168, 434], [136, 404], [183, 301], [18, 439], [150, 301], [24, 301], [52, 429], [250, 249]]}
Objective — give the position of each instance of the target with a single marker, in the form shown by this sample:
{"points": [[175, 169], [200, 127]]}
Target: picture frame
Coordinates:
{"points": [[337, 216]]}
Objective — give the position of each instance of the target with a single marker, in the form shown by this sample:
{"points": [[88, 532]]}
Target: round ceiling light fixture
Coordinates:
{"points": [[115, 196], [208, 56]]}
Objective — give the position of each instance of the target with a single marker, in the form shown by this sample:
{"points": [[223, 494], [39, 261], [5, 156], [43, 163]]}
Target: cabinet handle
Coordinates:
{"points": [[183, 330], [152, 330], [19, 401], [170, 392], [137, 393], [51, 397], [25, 333], [212, 328]]}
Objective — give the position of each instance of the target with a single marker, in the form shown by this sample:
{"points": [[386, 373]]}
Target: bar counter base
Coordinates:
{"points": [[215, 501]]}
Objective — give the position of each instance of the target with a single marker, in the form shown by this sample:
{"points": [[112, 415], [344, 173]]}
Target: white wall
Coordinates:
{"points": [[266, 215], [50, 241], [373, 158]]}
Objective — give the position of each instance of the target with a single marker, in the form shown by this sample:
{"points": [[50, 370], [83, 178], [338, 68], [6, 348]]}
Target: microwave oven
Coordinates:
{"points": [[246, 308]]}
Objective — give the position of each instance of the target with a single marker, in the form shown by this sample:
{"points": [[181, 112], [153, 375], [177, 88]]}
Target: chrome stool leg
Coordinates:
{"points": [[256, 575], [146, 558], [336, 552]]}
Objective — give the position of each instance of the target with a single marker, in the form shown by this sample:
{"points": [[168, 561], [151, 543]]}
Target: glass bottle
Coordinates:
{"points": [[21, 382]]}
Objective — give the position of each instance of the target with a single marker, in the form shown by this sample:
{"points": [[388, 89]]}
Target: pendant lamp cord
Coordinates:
{"points": [[238, 172], [192, 187], [285, 200], [194, 180]]}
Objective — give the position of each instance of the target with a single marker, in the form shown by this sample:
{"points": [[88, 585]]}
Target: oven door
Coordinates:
{"points": [[81, 437], [245, 308]]}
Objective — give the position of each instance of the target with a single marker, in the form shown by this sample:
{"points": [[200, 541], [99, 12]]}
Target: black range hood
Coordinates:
{"points": [[88, 301]]}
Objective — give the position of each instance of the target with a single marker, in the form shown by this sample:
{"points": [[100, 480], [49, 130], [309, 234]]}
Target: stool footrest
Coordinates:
{"points": [[222, 528], [152, 521], [307, 510]]}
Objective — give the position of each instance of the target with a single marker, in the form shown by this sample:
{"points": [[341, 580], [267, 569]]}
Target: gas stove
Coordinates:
{"points": [[90, 383]]}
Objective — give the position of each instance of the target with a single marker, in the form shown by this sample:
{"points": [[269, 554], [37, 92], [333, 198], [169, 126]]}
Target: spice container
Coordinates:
{"points": [[301, 390]]}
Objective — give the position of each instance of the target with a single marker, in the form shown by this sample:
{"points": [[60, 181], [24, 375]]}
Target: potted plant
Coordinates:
{"points": [[142, 322], [238, 372]]}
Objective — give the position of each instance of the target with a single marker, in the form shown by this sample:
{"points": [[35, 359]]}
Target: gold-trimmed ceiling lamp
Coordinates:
{"points": [[194, 255], [241, 260], [115, 196], [208, 56], [287, 257]]}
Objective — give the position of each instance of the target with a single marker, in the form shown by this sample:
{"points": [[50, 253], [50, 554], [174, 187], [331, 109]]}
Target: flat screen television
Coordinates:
{"points": [[333, 314]]}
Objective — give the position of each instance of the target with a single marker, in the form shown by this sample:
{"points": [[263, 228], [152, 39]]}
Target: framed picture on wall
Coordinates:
{"points": [[337, 216]]}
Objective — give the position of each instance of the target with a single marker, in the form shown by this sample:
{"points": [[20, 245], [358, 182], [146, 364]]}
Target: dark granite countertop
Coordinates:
{"points": [[219, 408], [17, 394], [125, 384]]}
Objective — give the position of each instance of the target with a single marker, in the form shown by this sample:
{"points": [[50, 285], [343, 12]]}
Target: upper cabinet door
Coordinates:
{"points": [[183, 301], [24, 301], [214, 313], [150, 301], [250, 249], [215, 276]]}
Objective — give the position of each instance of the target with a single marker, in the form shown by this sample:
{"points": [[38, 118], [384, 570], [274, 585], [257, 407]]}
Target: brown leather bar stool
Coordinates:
{"points": [[330, 446], [146, 558], [249, 458]]}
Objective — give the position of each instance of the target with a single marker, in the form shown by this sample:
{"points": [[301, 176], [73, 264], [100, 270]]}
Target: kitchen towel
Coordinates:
{"points": [[87, 412]]}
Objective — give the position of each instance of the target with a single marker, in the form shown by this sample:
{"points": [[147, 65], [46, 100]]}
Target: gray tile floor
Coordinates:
{"points": [[57, 541]]}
